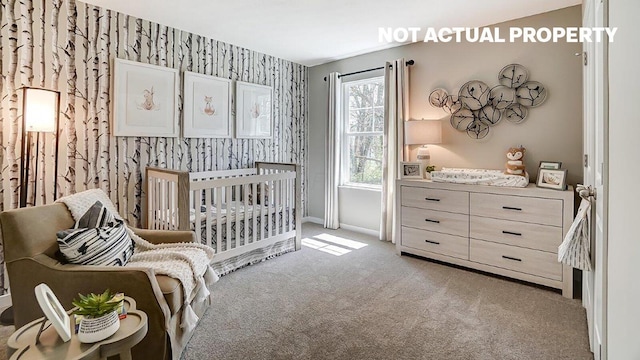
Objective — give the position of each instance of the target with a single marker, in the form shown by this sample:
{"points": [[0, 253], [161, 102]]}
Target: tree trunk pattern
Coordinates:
{"points": [[14, 176], [42, 138], [79, 42], [137, 212], [70, 112], [3, 287]]}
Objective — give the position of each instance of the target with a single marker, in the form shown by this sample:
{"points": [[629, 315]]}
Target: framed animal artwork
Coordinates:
{"points": [[207, 103], [145, 100], [254, 119]]}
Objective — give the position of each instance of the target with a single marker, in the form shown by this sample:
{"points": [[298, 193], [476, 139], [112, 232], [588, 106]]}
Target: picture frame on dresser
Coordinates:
{"points": [[207, 106], [411, 170], [553, 165], [552, 179], [145, 99]]}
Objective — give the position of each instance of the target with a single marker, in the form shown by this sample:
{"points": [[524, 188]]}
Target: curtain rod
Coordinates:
{"points": [[409, 62]]}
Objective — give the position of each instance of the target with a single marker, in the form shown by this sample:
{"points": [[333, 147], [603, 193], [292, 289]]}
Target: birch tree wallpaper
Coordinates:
{"points": [[69, 46]]}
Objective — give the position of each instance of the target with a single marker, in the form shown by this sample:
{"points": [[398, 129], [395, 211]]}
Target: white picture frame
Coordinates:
{"points": [[145, 100], [411, 170], [54, 311], [207, 106], [254, 111], [552, 179]]}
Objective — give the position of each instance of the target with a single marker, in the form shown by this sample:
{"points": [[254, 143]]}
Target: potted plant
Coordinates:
{"points": [[99, 316]]}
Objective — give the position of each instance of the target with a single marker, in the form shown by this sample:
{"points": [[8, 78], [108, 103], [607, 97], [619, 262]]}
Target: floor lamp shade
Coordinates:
{"points": [[40, 110], [40, 113]]}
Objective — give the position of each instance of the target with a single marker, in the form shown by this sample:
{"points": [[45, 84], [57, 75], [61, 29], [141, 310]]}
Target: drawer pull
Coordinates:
{"points": [[431, 199], [511, 208], [432, 242], [511, 233], [511, 258], [433, 221]]}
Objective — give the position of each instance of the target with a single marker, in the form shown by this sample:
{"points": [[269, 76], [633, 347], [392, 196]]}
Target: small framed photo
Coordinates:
{"points": [[253, 111], [552, 179], [145, 99], [412, 170], [553, 165], [207, 105]]}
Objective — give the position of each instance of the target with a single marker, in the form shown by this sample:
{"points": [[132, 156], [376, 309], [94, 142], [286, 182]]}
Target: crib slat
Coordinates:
{"points": [[159, 213], [150, 223], [277, 207], [262, 207], [228, 219], [197, 200], [254, 202], [207, 204], [270, 210], [238, 212], [172, 206], [218, 220], [246, 211]]}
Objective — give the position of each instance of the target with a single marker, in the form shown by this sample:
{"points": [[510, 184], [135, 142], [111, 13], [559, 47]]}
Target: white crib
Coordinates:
{"points": [[246, 215]]}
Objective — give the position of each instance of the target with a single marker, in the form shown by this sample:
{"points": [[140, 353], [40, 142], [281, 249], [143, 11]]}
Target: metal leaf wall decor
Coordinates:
{"points": [[477, 107]]}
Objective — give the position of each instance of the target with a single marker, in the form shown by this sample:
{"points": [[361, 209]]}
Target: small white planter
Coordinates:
{"points": [[93, 330]]}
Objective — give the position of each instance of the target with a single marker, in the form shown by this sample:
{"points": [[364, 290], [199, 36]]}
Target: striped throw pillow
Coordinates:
{"points": [[97, 238]]}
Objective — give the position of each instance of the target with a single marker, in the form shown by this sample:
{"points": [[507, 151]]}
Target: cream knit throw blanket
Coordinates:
{"points": [[187, 262]]}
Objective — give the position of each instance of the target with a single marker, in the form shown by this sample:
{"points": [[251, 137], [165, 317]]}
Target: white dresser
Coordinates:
{"points": [[513, 232]]}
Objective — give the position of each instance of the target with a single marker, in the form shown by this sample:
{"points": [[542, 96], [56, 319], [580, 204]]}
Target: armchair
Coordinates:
{"points": [[29, 238]]}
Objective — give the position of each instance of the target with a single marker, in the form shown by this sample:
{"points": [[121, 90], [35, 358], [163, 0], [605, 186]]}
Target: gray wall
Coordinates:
{"points": [[552, 131]]}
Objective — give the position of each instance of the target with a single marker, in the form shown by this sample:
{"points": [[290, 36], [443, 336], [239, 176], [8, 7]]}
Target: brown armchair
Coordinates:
{"points": [[29, 238]]}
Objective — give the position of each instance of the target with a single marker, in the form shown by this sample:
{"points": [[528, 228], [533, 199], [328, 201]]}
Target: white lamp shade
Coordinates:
{"points": [[40, 109], [422, 132]]}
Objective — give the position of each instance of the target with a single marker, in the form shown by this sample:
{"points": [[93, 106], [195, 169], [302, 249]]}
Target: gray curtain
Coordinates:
{"points": [[332, 152], [396, 82]]}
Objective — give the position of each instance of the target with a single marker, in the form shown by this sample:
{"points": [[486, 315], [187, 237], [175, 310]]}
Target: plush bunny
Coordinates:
{"points": [[515, 161]]}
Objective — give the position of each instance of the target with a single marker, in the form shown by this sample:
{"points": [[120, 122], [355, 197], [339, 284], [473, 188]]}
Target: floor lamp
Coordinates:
{"points": [[40, 113]]}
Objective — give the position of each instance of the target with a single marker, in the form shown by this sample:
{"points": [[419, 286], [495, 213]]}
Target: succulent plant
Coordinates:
{"points": [[95, 306]]}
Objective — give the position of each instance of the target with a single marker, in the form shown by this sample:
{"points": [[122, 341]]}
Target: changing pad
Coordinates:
{"points": [[479, 177]]}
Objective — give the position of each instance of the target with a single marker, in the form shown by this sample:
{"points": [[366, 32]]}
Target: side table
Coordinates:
{"points": [[22, 344]]}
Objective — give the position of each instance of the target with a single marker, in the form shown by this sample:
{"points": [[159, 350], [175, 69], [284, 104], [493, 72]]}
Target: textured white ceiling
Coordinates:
{"points": [[313, 32]]}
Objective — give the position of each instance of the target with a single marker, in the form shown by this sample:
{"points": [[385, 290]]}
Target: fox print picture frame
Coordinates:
{"points": [[145, 100]]}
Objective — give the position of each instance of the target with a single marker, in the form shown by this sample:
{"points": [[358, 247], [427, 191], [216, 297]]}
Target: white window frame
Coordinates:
{"points": [[344, 138]]}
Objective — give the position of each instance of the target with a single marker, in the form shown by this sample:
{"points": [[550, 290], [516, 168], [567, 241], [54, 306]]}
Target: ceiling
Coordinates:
{"points": [[313, 32]]}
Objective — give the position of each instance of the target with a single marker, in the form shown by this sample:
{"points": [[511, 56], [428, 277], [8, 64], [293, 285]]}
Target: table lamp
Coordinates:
{"points": [[423, 132]]}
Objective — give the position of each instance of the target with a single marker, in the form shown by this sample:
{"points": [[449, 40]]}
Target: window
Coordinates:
{"points": [[363, 126]]}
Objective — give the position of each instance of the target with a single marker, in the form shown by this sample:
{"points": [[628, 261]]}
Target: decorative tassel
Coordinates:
{"points": [[202, 292], [210, 276], [189, 318]]}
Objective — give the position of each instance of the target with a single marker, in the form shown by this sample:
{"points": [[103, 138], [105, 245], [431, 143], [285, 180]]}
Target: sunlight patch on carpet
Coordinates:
{"points": [[333, 245], [341, 241]]}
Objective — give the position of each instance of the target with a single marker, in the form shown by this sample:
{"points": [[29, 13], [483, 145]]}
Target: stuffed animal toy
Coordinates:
{"points": [[515, 161]]}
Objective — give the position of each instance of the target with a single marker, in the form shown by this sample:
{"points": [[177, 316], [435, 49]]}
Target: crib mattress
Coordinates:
{"points": [[479, 177]]}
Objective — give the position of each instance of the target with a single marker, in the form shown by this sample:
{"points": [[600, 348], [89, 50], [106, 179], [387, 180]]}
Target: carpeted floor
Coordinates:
{"points": [[369, 303], [349, 296]]}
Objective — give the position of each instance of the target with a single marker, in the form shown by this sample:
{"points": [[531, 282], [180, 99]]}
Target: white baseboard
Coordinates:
{"points": [[313, 220], [361, 230], [358, 229], [5, 301]]}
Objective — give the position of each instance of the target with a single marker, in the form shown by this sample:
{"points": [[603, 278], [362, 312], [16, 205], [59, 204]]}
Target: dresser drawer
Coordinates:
{"points": [[434, 199], [439, 221], [533, 262], [517, 208], [455, 246], [532, 236]]}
